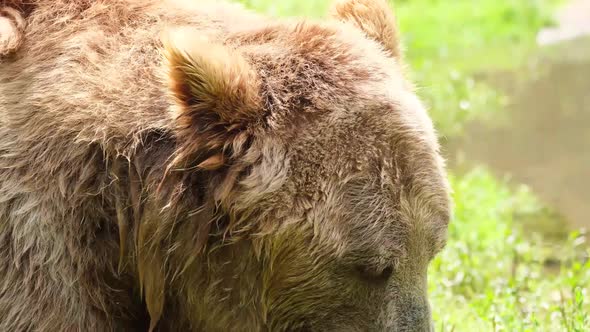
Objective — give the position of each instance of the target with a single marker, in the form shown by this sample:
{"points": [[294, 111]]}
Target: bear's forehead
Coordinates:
{"points": [[387, 213], [345, 108], [377, 165]]}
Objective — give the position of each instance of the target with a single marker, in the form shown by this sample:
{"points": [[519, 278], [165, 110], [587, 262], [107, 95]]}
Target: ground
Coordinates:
{"points": [[502, 271]]}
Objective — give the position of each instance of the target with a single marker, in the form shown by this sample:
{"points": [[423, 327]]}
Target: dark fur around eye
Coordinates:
{"points": [[374, 274]]}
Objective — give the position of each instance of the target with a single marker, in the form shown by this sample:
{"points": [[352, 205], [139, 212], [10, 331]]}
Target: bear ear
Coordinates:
{"points": [[12, 25], [216, 92], [374, 17]]}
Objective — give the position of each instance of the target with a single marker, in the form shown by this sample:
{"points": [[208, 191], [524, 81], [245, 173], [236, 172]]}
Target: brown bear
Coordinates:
{"points": [[182, 165]]}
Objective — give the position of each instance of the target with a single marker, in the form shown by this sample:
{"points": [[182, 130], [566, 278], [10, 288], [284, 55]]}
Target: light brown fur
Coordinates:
{"points": [[180, 165]]}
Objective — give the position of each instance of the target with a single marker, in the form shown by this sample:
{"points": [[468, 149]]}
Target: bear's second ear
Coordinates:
{"points": [[374, 17], [216, 91]]}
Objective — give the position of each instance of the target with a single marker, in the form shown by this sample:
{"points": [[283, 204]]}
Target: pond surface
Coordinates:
{"points": [[543, 139]]}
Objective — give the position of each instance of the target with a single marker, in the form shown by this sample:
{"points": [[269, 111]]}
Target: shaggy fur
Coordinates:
{"points": [[182, 165]]}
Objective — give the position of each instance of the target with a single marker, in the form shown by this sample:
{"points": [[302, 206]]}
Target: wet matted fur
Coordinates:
{"points": [[185, 165]]}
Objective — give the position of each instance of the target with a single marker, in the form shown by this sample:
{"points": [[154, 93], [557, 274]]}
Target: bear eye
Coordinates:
{"points": [[374, 274]]}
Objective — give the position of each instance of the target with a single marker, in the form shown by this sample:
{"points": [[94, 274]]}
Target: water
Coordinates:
{"points": [[544, 139]]}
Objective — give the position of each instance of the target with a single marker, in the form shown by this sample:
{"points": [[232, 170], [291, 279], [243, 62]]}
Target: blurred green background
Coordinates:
{"points": [[514, 262]]}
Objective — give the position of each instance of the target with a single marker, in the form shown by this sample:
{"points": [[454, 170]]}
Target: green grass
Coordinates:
{"points": [[493, 275]]}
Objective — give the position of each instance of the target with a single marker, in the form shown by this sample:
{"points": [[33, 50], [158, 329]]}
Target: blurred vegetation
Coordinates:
{"points": [[494, 275]]}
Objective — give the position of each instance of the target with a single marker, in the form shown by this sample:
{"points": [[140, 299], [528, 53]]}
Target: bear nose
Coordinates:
{"points": [[415, 318]]}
